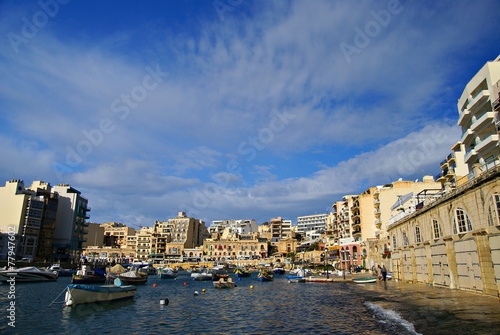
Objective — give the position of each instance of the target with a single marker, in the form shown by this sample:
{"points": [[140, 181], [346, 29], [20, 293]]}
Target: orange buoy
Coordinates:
{"points": [[185, 283], [154, 285]]}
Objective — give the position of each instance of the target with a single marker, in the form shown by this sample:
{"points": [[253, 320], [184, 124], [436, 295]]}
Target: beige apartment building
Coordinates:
{"points": [[454, 171], [252, 247], [143, 240], [170, 238], [116, 234], [477, 116]]}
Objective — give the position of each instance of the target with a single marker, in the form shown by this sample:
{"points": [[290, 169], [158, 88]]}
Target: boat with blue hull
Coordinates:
{"points": [[265, 276], [89, 276]]}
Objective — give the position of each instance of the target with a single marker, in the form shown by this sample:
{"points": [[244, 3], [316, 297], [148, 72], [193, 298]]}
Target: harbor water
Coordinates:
{"points": [[277, 307]]}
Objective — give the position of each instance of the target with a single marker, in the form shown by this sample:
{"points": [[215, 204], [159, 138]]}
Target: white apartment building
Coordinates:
{"points": [[232, 226], [311, 223], [477, 116]]}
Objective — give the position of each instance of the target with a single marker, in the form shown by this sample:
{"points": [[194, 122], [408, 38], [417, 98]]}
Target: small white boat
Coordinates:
{"points": [[27, 274], [77, 294], [167, 274], [365, 280], [61, 271], [201, 276]]}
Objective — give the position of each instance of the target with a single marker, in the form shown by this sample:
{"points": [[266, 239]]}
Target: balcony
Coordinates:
{"points": [[478, 100], [485, 119], [467, 136], [464, 117], [496, 105], [439, 177], [376, 201], [444, 163], [487, 142], [469, 155]]}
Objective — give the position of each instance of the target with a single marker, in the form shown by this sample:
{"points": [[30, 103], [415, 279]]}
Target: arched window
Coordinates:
{"points": [[461, 222], [418, 236], [436, 229], [494, 211]]}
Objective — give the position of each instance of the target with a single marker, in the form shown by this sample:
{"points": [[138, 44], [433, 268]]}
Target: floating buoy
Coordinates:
{"points": [[239, 278], [195, 292], [154, 285], [203, 290], [251, 286], [164, 302], [185, 283]]}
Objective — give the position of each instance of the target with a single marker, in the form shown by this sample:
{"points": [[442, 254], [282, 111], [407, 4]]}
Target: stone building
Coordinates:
{"points": [[454, 241]]}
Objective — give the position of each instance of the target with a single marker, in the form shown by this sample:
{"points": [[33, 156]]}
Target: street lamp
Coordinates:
{"points": [[326, 262]]}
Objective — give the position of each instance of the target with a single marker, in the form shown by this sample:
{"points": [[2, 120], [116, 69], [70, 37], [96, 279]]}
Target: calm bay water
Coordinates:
{"points": [[276, 307]]}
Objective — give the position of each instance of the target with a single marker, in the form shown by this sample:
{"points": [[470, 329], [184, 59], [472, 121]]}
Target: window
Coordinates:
{"points": [[436, 228], [405, 239], [394, 244], [494, 211], [418, 236], [462, 223]]}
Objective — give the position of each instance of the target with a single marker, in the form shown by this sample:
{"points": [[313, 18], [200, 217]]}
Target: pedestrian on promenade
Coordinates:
{"points": [[384, 273], [379, 272]]}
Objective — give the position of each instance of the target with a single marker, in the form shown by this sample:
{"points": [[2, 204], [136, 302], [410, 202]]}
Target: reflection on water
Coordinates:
{"points": [[278, 307]]}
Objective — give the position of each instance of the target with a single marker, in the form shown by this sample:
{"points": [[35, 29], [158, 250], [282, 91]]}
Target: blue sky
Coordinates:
{"points": [[233, 109]]}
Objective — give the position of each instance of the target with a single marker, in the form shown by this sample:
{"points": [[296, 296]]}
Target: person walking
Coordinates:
{"points": [[383, 270]]}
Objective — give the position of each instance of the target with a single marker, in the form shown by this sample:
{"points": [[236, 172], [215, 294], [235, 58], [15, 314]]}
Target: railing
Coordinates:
{"points": [[487, 170]]}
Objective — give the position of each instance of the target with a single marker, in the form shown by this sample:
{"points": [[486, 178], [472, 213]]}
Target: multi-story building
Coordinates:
{"points": [[232, 227], [70, 230], [280, 229], [453, 241], [116, 234], [48, 222], [454, 171], [248, 248], [171, 237], [311, 223], [477, 116], [95, 235], [143, 240]]}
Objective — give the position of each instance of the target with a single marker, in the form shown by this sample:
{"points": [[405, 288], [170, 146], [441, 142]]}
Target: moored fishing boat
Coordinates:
{"points": [[242, 272], [296, 280], [89, 276], [61, 272], [77, 294], [201, 276], [279, 271], [167, 274], [365, 280], [27, 274], [224, 282], [131, 277], [265, 275]]}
